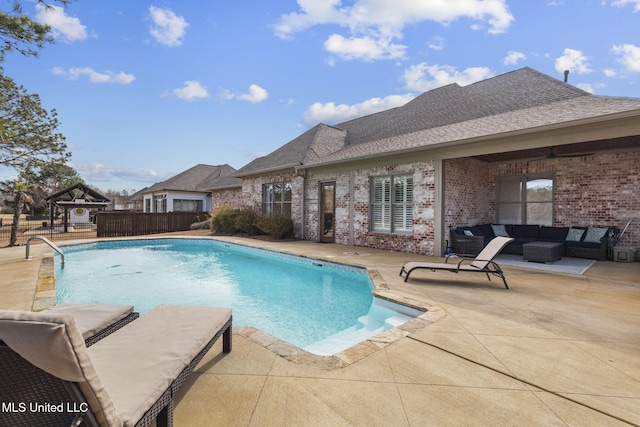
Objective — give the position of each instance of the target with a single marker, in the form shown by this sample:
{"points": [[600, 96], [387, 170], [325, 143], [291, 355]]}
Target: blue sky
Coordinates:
{"points": [[145, 90]]}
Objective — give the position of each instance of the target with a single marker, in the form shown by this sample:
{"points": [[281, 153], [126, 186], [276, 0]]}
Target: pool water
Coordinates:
{"points": [[315, 305]]}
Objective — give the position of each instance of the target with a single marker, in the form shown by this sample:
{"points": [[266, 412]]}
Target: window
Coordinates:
{"points": [[160, 203], [392, 204], [525, 200], [147, 205], [276, 199], [184, 205]]}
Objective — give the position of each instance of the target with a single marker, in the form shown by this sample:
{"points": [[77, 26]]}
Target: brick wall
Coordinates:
{"points": [[469, 193], [252, 194], [229, 197], [419, 241]]}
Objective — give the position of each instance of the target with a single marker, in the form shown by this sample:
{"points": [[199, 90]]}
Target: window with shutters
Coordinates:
{"points": [[392, 203]]}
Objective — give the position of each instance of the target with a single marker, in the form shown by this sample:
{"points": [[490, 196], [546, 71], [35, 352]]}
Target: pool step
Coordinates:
{"points": [[365, 328], [397, 320]]}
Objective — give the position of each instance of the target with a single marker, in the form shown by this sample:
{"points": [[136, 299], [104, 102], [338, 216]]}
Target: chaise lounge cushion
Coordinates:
{"points": [[156, 348], [52, 342], [93, 318]]}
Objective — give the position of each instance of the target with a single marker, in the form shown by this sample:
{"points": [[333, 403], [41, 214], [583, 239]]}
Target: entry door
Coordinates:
{"points": [[327, 211]]}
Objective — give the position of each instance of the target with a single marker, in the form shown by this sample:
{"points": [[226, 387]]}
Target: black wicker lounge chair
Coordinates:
{"points": [[483, 263], [128, 378]]}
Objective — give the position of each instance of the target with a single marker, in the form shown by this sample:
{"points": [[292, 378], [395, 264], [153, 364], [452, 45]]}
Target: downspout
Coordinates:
{"points": [[438, 209], [302, 173], [351, 204]]}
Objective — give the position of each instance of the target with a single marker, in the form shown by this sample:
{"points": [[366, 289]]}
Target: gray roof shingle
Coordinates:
{"points": [[199, 178], [517, 100]]}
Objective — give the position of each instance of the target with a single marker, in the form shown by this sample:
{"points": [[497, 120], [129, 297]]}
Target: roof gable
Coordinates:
{"points": [[514, 101], [517, 90], [199, 178]]}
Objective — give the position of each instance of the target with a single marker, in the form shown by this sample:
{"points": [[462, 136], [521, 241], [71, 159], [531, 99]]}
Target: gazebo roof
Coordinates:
{"points": [[78, 195]]}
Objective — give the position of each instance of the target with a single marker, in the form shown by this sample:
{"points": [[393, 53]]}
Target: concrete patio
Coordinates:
{"points": [[555, 349]]}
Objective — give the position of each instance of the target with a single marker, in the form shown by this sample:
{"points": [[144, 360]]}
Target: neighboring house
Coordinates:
{"points": [[401, 178], [189, 191]]}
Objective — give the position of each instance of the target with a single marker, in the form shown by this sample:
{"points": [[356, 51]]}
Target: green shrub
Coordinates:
{"points": [[224, 220], [277, 226], [247, 221]]}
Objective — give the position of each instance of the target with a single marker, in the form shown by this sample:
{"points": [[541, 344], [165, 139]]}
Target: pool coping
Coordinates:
{"points": [[45, 297]]}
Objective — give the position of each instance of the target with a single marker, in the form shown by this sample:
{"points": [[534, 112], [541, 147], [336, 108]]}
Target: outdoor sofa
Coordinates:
{"points": [[578, 242], [127, 378]]}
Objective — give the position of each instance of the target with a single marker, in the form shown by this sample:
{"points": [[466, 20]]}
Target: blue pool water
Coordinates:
{"points": [[319, 306]]}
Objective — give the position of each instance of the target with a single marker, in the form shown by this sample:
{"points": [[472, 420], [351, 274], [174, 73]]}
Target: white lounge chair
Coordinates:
{"points": [[128, 378], [483, 263]]}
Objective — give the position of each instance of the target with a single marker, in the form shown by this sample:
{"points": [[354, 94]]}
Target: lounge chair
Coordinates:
{"points": [[483, 263], [97, 321], [128, 378]]}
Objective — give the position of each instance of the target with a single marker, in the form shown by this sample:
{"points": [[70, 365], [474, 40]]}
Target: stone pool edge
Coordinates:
{"points": [[45, 297]]}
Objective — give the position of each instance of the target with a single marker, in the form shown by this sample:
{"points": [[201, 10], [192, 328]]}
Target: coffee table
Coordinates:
{"points": [[542, 251]]}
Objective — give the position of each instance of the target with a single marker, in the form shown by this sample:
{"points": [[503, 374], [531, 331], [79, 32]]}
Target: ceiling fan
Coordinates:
{"points": [[552, 154]]}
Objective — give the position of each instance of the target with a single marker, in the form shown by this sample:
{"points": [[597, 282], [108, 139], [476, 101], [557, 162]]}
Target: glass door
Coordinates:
{"points": [[327, 211]]}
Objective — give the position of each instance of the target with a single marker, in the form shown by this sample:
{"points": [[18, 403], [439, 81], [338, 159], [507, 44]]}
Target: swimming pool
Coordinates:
{"points": [[319, 306]]}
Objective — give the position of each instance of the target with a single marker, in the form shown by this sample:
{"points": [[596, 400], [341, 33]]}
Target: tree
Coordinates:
{"points": [[33, 139], [22, 196], [31, 145], [20, 33], [48, 179]]}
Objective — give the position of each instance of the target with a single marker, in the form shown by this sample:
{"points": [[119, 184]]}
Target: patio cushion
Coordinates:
{"points": [[92, 318], [553, 234], [156, 348], [499, 230], [575, 234], [524, 230], [594, 234], [52, 342]]}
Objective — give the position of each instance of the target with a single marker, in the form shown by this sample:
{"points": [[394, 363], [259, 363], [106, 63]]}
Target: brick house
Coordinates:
{"points": [[188, 191], [401, 178]]}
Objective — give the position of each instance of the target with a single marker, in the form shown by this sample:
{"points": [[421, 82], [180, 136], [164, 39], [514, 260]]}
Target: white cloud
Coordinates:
{"points": [[622, 3], [629, 56], [255, 95], [98, 172], [375, 24], [424, 77], [513, 57], [332, 113], [94, 76], [366, 48], [63, 27], [574, 61], [610, 72], [168, 28], [192, 90], [436, 43], [586, 87]]}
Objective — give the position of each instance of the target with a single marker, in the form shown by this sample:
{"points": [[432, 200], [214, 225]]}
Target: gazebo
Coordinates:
{"points": [[78, 197]]}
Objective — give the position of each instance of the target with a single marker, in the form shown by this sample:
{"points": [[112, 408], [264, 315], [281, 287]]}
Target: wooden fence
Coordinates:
{"points": [[116, 224]]}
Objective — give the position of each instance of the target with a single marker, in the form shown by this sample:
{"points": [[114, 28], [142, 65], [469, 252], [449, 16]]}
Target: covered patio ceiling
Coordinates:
{"points": [[628, 143]]}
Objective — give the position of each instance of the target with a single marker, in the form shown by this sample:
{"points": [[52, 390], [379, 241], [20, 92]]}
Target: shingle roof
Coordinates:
{"points": [[517, 100], [200, 178]]}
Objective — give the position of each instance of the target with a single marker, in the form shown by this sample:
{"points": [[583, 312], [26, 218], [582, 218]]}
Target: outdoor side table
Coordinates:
{"points": [[542, 251]]}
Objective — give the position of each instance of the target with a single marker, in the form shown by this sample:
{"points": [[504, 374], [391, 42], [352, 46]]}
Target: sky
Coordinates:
{"points": [[145, 90]]}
